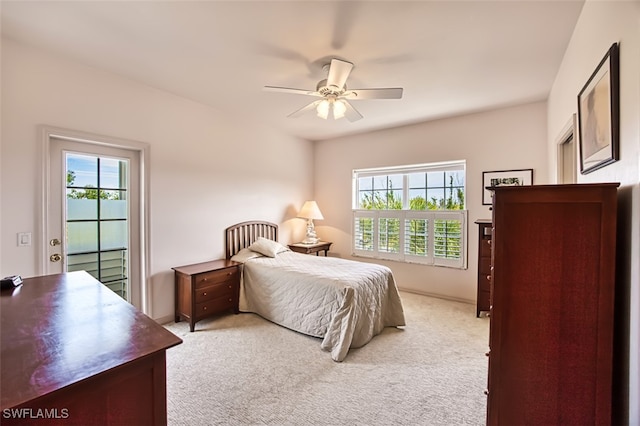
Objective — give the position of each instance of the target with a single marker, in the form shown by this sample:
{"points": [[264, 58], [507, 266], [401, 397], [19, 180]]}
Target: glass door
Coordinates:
{"points": [[92, 220], [96, 222]]}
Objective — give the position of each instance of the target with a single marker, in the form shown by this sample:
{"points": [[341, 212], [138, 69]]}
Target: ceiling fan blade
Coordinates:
{"points": [[386, 93], [338, 73], [292, 91], [351, 113], [304, 109]]}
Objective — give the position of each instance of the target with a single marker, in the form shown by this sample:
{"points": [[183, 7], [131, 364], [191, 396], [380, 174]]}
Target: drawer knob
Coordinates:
{"points": [[230, 286], [204, 294], [488, 277], [489, 242], [487, 353], [486, 392], [204, 308], [204, 279]]}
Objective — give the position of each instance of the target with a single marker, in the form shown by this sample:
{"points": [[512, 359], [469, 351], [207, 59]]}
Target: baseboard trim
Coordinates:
{"points": [[165, 320], [439, 296]]}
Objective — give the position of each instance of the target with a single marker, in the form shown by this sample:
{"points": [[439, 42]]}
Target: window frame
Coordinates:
{"points": [[406, 214]]}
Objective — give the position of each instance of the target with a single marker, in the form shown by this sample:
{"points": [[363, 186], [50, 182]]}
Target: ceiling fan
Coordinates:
{"points": [[334, 94]]}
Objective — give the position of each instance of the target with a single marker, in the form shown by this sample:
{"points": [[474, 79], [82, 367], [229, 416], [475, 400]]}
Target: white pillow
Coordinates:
{"points": [[244, 255], [267, 247]]}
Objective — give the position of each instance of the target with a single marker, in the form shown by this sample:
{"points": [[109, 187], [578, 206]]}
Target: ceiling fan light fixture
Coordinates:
{"points": [[323, 109], [339, 108], [334, 94]]}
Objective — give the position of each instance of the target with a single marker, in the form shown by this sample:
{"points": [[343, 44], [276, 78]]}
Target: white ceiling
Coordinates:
{"points": [[451, 57]]}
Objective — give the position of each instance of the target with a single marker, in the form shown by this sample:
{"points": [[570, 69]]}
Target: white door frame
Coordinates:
{"points": [[48, 132], [567, 132]]}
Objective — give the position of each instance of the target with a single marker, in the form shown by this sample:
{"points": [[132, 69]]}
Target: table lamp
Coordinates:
{"points": [[310, 211]]}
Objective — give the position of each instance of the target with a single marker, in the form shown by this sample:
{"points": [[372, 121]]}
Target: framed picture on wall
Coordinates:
{"points": [[598, 115], [504, 178]]}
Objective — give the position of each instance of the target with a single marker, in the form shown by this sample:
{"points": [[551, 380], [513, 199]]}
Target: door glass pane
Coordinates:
{"points": [[82, 237], [82, 171], [113, 173], [79, 207], [113, 235], [112, 207], [83, 262], [113, 265]]}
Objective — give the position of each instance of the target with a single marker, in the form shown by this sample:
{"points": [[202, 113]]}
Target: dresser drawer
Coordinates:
{"points": [[484, 300], [216, 277], [484, 266], [485, 247], [219, 304], [484, 282], [218, 290]]}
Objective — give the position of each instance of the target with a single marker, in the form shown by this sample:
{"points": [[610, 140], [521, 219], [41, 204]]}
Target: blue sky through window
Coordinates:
{"points": [[85, 168]]}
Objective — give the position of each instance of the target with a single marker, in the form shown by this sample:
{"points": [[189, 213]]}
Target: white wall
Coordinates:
{"points": [[504, 139], [601, 24], [207, 170]]}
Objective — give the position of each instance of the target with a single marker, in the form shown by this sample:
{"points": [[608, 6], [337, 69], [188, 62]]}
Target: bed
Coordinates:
{"points": [[343, 302]]}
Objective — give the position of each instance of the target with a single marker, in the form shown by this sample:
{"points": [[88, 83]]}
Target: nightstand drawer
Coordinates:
{"points": [[215, 277], [206, 309], [207, 293]]}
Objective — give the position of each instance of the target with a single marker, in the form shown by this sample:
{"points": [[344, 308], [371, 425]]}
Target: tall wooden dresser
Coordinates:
{"points": [[551, 332], [483, 297]]}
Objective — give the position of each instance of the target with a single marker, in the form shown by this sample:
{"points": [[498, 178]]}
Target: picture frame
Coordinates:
{"points": [[599, 114], [519, 177]]}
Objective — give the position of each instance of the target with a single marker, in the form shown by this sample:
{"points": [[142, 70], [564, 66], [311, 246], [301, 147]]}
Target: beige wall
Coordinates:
{"points": [[207, 170], [504, 139], [600, 25]]}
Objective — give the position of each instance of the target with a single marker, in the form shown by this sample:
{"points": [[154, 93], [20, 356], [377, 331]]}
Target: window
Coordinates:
{"points": [[411, 213]]}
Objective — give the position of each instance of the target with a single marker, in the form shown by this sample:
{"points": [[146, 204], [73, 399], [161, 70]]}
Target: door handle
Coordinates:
{"points": [[55, 257]]}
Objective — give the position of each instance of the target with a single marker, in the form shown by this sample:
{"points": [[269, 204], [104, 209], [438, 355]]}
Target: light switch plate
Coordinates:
{"points": [[24, 239]]}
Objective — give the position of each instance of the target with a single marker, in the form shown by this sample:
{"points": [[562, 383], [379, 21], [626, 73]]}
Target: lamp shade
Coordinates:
{"points": [[310, 210]]}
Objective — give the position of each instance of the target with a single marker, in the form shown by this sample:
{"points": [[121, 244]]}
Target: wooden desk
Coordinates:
{"points": [[75, 353]]}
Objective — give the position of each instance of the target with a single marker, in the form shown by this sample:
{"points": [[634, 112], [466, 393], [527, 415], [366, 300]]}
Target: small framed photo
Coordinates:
{"points": [[598, 115], [504, 178]]}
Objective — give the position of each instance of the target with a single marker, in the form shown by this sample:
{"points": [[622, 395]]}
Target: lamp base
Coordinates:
{"points": [[311, 237]]}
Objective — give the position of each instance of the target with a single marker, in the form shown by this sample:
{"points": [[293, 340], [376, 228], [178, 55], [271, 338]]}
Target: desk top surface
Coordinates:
{"points": [[57, 330]]}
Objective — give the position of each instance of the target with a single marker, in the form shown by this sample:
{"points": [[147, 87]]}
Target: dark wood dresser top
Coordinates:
{"points": [[58, 330]]}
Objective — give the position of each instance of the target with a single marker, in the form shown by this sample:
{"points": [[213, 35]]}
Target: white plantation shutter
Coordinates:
{"points": [[416, 238], [363, 233], [448, 239], [389, 233], [429, 237]]}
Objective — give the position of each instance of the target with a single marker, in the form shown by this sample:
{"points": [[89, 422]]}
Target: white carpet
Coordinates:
{"points": [[244, 370]]}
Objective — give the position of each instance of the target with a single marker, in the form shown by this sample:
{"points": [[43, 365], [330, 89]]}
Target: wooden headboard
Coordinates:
{"points": [[242, 235]]}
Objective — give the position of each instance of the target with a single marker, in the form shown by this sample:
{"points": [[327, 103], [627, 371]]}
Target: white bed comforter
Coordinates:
{"points": [[343, 302]]}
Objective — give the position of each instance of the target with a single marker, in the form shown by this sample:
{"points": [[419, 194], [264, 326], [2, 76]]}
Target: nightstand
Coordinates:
{"points": [[206, 289], [311, 248]]}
